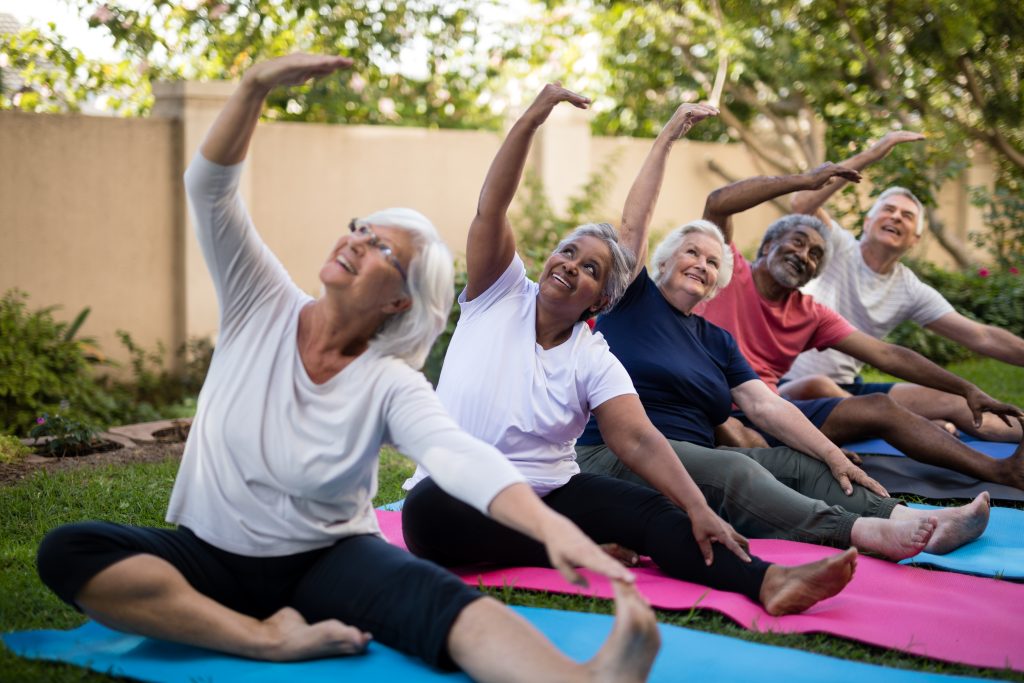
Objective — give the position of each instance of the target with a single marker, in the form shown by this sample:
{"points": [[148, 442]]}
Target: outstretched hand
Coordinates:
{"points": [[893, 138], [979, 402], [709, 528], [550, 96], [687, 116], [828, 172], [294, 69], [569, 548]]}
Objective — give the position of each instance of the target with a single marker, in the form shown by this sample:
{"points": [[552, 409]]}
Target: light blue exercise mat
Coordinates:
{"points": [[684, 654], [999, 551]]}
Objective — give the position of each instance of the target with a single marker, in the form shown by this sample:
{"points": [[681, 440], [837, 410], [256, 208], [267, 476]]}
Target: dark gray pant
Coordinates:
{"points": [[763, 492]]}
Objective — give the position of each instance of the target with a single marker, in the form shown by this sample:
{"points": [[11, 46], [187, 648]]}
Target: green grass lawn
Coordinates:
{"points": [[138, 494]]}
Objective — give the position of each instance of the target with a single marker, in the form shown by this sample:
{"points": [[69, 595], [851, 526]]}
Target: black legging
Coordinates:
{"points": [[447, 531]]}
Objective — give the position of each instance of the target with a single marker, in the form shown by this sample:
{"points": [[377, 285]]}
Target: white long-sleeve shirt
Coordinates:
{"points": [[276, 464]]}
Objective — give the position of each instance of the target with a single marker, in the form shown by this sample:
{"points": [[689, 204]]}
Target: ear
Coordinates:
{"points": [[398, 305], [601, 303]]}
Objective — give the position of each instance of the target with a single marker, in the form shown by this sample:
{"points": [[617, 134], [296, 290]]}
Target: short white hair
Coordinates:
{"points": [[904, 192], [665, 254], [431, 284]]}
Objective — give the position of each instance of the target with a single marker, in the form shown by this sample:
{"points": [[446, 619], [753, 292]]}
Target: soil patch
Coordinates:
{"points": [[12, 473]]}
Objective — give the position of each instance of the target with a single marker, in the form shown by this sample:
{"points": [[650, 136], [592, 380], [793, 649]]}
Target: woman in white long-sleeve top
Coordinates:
{"points": [[277, 554]]}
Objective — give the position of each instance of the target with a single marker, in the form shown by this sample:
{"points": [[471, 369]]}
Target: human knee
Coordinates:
{"points": [[67, 554]]}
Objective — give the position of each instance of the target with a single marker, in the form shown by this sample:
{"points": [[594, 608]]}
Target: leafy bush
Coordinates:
{"points": [[42, 366], [994, 298], [46, 369], [68, 436], [1003, 236], [12, 449]]}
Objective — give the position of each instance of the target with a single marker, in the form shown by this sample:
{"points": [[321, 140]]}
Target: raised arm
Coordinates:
{"points": [[812, 201], [746, 194], [913, 367], [643, 195], [228, 139], [491, 244]]}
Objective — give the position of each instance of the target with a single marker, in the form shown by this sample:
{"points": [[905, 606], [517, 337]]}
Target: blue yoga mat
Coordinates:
{"points": [[999, 551], [880, 447], [684, 654]]}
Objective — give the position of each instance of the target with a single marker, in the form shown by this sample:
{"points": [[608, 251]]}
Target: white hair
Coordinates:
{"points": [[623, 261], [904, 192], [665, 254], [410, 334]]}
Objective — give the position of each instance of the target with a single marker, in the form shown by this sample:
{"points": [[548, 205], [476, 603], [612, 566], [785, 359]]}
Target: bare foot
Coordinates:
{"points": [[959, 525], [624, 555], [1011, 470], [893, 539], [294, 639], [789, 590], [629, 652]]}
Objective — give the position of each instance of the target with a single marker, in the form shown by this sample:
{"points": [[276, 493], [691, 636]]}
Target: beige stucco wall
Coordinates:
{"points": [[92, 212], [88, 217]]}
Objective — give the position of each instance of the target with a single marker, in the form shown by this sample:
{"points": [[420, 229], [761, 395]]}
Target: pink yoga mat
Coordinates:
{"points": [[941, 615]]}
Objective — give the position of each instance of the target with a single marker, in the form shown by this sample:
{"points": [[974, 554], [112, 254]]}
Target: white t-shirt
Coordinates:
{"points": [[276, 464], [874, 303], [530, 403]]}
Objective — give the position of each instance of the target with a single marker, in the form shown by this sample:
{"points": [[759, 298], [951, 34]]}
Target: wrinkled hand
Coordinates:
{"points": [[979, 402], [893, 138], [847, 474], [552, 95], [709, 528], [294, 69], [828, 172], [569, 548], [687, 116]]}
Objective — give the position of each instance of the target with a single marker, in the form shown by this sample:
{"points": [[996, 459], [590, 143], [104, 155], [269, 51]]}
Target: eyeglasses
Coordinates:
{"points": [[361, 229]]}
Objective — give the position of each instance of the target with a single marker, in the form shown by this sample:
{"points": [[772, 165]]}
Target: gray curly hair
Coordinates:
{"points": [[783, 225]]}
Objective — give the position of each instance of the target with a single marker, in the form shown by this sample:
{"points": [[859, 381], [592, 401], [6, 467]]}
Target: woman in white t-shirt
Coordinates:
{"points": [[524, 372], [277, 554]]}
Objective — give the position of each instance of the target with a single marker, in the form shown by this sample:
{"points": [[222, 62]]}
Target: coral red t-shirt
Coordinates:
{"points": [[771, 334]]}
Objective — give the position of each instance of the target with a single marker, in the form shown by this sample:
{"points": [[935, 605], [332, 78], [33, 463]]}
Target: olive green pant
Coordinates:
{"points": [[763, 492]]}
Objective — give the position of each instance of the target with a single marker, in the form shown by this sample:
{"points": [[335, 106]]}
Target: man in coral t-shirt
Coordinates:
{"points": [[773, 322]]}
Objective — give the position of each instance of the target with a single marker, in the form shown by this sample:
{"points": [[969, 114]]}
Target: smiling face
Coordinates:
{"points": [[794, 257], [693, 271], [574, 277], [357, 263], [893, 223]]}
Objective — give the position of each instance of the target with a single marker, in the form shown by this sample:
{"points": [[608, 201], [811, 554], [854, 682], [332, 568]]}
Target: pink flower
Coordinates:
{"points": [[984, 272], [40, 420], [1014, 270]]}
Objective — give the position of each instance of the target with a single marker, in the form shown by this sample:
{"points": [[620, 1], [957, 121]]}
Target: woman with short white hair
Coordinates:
{"points": [[277, 554]]}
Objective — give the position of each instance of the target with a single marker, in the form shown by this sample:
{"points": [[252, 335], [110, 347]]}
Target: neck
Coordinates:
{"points": [[766, 284], [328, 340], [879, 258], [681, 302], [553, 326]]}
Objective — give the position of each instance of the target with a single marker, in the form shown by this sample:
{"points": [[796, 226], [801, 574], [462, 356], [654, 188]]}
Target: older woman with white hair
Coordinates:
{"points": [[277, 554], [688, 373], [524, 372]]}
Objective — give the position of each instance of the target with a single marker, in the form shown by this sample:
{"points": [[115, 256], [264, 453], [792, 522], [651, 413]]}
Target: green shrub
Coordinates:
{"points": [[992, 297], [12, 449], [44, 367], [67, 436]]}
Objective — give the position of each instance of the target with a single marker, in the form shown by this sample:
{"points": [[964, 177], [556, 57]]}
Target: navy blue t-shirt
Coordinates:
{"points": [[682, 366]]}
